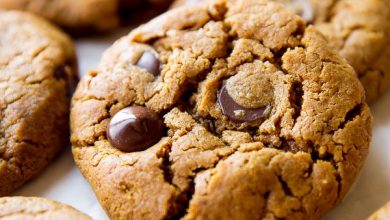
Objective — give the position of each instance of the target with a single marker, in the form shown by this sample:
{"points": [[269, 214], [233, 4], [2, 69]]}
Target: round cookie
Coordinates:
{"points": [[82, 15], [260, 118], [37, 72], [31, 208], [382, 213], [359, 30]]}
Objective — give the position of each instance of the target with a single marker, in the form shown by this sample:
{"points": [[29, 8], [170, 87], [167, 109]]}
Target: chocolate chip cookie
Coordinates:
{"points": [[37, 72], [359, 30], [381, 214], [230, 110], [82, 15], [31, 208]]}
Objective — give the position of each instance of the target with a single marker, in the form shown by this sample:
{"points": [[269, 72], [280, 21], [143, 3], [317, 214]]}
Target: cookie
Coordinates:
{"points": [[358, 30], [37, 72], [83, 15], [381, 214], [179, 3], [231, 110], [31, 208]]}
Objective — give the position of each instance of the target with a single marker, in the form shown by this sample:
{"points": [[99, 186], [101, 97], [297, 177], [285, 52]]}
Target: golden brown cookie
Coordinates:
{"points": [[231, 110], [82, 15], [359, 30], [37, 71], [382, 213], [31, 208]]}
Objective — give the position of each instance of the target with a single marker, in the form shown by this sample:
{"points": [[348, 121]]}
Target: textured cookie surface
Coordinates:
{"points": [[37, 68], [81, 14], [359, 30], [381, 214], [262, 119], [31, 208]]}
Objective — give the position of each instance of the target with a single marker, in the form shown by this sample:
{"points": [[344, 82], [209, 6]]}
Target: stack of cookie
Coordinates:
{"points": [[220, 109]]}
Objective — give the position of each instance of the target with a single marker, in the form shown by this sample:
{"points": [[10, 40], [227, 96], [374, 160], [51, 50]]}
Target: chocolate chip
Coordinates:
{"points": [[150, 62], [236, 112], [61, 72], [135, 128], [64, 72]]}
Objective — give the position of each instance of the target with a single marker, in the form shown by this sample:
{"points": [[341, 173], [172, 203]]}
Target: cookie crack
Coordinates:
{"points": [[328, 157], [351, 115], [179, 207], [6, 105], [166, 164], [25, 213], [185, 197], [351, 30], [180, 200], [285, 187], [13, 160], [296, 99]]}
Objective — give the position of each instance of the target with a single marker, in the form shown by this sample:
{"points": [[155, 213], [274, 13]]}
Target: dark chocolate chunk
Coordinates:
{"points": [[135, 128], [64, 72], [236, 112], [61, 72], [150, 62]]}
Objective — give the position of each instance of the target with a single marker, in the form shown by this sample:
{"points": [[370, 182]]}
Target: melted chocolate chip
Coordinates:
{"points": [[135, 128], [150, 62], [64, 72], [61, 72], [236, 112]]}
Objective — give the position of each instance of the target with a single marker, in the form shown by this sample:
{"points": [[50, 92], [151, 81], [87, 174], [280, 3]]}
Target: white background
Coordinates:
{"points": [[63, 182]]}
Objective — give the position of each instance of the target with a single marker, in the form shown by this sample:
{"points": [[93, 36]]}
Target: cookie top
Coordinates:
{"points": [[230, 110], [37, 70], [82, 15], [359, 30], [382, 213], [31, 208]]}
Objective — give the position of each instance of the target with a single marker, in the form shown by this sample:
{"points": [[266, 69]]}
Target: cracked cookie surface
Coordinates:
{"points": [[219, 63], [82, 14], [32, 208], [37, 71], [358, 30]]}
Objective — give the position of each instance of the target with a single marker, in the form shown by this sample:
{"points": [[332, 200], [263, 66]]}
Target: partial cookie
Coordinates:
{"points": [[37, 73], [231, 110], [179, 3], [382, 213], [359, 30], [31, 208], [81, 15]]}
